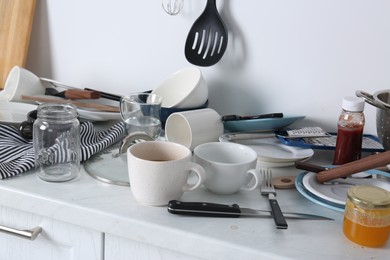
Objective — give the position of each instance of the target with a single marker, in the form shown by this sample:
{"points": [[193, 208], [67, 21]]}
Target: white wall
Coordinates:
{"points": [[299, 57]]}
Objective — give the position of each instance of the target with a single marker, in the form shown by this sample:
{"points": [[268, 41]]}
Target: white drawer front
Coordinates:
{"points": [[58, 240]]}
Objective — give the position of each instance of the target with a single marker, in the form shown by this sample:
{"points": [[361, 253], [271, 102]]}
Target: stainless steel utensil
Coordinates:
{"points": [[172, 7], [267, 188], [381, 100], [205, 209], [207, 40]]}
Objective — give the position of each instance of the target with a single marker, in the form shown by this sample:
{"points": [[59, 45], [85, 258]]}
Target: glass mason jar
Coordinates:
{"points": [[56, 139], [367, 216]]}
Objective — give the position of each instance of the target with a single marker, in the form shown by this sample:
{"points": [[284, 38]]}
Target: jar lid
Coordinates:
{"points": [[369, 197], [353, 104]]}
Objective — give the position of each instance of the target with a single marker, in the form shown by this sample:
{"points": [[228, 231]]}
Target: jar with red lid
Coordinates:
{"points": [[367, 216]]}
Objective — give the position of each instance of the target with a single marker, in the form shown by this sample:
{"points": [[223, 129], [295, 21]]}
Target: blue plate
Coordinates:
{"points": [[265, 124]]}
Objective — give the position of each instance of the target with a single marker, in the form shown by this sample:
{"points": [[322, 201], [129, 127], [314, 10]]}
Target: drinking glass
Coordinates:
{"points": [[141, 113]]}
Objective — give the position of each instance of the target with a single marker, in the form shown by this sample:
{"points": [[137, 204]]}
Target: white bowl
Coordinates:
{"points": [[185, 88], [21, 82]]}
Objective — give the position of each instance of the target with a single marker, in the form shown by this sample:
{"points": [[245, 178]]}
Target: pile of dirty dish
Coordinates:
{"points": [[184, 90]]}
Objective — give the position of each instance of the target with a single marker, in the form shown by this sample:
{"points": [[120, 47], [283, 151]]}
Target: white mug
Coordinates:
{"points": [[194, 127], [229, 167], [159, 172], [21, 82]]}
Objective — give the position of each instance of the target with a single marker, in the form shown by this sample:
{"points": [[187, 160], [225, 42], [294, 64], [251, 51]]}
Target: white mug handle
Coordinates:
{"points": [[255, 175], [199, 171]]}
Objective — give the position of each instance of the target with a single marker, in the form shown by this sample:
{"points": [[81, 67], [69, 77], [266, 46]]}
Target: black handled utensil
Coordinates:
{"points": [[237, 117], [207, 40], [205, 209]]}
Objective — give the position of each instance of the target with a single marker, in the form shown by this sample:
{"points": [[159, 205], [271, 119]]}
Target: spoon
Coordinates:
{"points": [[207, 40]]}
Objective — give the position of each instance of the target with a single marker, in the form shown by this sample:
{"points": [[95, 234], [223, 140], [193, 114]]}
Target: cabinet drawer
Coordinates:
{"points": [[57, 240], [120, 248]]}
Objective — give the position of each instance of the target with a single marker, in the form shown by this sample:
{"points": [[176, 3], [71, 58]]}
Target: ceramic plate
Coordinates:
{"points": [[92, 114], [98, 116], [266, 124], [270, 150], [14, 112], [312, 197], [336, 191], [328, 195]]}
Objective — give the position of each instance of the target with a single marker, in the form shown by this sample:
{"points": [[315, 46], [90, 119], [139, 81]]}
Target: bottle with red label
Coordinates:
{"points": [[350, 131]]}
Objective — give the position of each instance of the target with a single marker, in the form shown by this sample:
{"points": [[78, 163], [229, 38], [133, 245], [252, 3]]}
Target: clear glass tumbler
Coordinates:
{"points": [[56, 139], [141, 113]]}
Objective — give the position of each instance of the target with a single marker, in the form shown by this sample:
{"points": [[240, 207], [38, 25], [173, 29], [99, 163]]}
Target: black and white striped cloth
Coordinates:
{"points": [[17, 153]]}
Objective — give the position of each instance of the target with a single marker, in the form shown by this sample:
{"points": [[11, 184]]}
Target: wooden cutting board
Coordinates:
{"points": [[16, 18]]}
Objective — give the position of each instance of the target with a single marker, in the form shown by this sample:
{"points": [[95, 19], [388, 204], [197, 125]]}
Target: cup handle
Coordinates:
{"points": [[255, 175], [200, 172]]}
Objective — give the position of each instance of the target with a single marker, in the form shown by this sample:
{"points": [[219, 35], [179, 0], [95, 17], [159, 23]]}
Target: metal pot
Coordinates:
{"points": [[381, 100]]}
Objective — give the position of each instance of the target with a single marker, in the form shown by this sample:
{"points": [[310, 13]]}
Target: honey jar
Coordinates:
{"points": [[367, 216]]}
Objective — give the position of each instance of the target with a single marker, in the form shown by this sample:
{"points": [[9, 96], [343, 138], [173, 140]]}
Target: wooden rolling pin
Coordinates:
{"points": [[364, 164], [99, 107]]}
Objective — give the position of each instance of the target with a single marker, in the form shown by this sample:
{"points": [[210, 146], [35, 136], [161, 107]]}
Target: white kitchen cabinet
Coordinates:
{"points": [[58, 240], [120, 248]]}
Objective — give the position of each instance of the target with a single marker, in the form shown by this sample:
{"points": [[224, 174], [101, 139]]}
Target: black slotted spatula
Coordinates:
{"points": [[207, 40]]}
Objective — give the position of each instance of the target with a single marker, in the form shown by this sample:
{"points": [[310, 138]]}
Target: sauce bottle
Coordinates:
{"points": [[367, 216], [350, 131]]}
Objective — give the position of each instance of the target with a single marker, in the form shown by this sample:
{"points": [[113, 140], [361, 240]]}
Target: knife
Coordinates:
{"points": [[205, 209]]}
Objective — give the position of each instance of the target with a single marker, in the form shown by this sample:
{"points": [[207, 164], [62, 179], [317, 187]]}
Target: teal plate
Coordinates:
{"points": [[265, 124]]}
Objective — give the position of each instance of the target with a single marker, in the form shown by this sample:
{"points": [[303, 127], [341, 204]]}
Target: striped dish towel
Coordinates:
{"points": [[17, 153]]}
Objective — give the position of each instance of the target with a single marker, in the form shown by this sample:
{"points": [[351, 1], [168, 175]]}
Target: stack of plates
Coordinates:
{"points": [[334, 194], [271, 153]]}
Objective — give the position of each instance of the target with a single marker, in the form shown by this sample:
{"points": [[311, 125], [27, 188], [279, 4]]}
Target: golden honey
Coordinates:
{"points": [[367, 216]]}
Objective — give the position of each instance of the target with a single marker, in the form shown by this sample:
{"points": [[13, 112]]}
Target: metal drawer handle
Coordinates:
{"points": [[28, 234]]}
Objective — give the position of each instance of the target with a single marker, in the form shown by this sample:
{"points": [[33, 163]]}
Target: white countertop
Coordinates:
{"points": [[112, 209]]}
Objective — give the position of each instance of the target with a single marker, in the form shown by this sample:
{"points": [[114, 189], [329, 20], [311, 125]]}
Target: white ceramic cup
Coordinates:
{"points": [[229, 167], [194, 127], [185, 88], [21, 82], [159, 172]]}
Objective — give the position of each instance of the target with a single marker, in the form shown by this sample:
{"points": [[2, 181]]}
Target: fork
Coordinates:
{"points": [[267, 188]]}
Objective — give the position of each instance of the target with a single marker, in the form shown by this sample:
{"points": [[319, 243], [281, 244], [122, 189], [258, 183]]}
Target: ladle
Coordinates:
{"points": [[207, 40]]}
